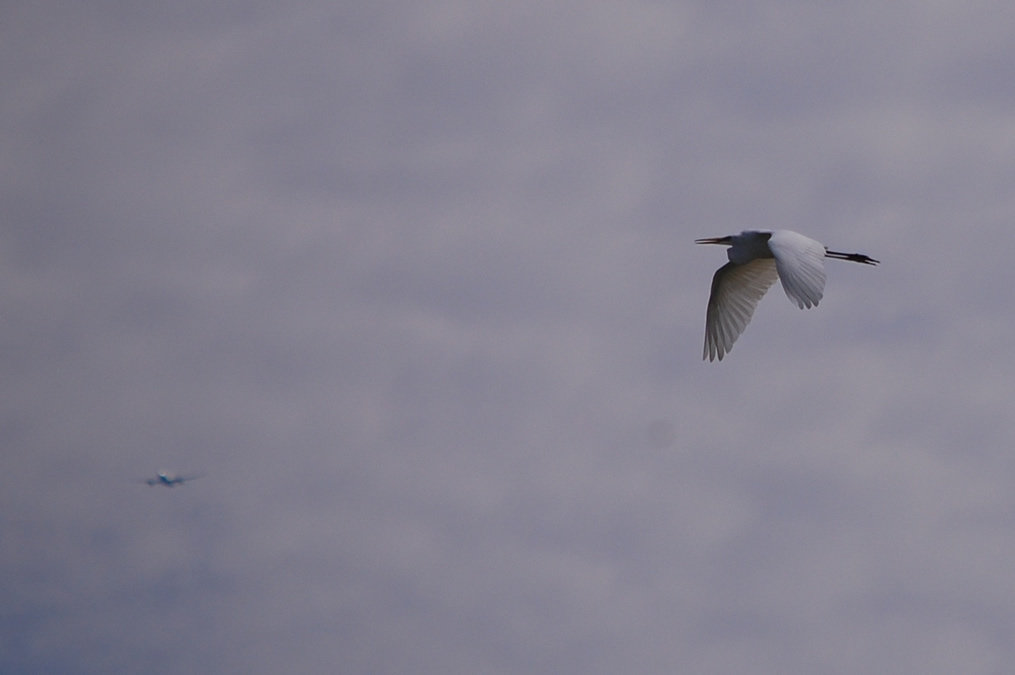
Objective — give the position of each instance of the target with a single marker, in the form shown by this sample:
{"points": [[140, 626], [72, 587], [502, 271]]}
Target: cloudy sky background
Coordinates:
{"points": [[413, 282]]}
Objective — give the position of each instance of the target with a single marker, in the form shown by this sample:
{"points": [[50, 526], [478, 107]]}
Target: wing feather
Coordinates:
{"points": [[736, 291], [800, 262]]}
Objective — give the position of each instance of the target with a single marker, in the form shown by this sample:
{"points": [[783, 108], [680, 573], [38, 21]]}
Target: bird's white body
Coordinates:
{"points": [[756, 259]]}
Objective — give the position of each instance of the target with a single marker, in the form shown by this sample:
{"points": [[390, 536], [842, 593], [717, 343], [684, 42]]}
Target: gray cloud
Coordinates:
{"points": [[414, 284]]}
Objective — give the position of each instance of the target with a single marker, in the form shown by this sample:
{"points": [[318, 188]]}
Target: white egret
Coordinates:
{"points": [[756, 259]]}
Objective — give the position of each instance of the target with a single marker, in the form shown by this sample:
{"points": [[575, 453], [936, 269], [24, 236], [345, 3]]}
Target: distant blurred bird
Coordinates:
{"points": [[170, 479], [756, 259]]}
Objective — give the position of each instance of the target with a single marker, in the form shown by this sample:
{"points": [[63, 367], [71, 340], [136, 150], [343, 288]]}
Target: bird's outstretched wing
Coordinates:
{"points": [[193, 476], [736, 290], [801, 266]]}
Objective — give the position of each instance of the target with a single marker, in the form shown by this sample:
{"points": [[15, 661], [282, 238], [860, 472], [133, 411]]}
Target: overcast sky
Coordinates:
{"points": [[413, 283]]}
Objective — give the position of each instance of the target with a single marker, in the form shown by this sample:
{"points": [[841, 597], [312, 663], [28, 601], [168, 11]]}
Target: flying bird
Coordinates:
{"points": [[756, 259], [170, 479]]}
